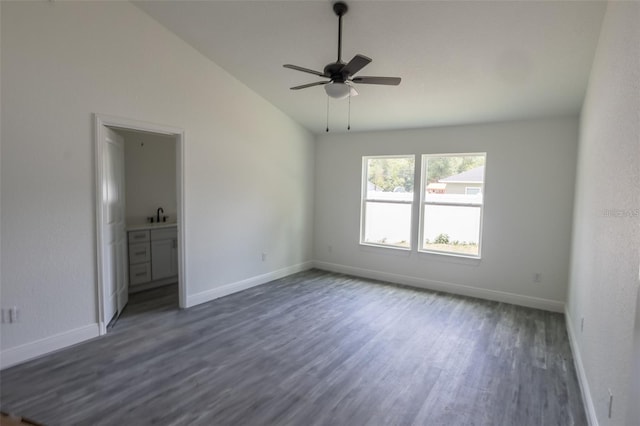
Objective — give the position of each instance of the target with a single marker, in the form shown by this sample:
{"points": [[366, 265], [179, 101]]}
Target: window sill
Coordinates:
{"points": [[376, 248]]}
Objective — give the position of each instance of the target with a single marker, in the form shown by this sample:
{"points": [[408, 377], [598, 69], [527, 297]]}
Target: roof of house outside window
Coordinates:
{"points": [[475, 175]]}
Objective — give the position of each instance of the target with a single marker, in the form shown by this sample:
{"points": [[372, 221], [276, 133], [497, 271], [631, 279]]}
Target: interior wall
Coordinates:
{"points": [[530, 176], [150, 176], [606, 238], [248, 167]]}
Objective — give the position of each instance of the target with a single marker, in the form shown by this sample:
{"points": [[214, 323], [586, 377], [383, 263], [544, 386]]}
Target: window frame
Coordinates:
{"points": [[364, 200], [421, 221]]}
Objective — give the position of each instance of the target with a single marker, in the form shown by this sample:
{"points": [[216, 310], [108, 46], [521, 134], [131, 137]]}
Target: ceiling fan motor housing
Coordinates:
{"points": [[334, 71]]}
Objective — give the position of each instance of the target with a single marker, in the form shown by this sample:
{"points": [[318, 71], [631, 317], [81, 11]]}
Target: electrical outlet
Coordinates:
{"points": [[610, 403], [581, 324], [10, 315], [13, 314], [537, 277], [264, 257]]}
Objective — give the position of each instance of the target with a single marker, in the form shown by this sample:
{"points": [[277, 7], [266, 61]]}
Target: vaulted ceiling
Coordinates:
{"points": [[460, 61]]}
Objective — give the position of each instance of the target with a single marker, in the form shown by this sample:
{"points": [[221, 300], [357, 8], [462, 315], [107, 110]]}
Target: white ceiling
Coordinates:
{"points": [[460, 61]]}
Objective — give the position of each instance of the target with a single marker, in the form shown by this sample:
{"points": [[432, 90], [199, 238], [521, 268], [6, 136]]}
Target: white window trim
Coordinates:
{"points": [[364, 200], [423, 171]]}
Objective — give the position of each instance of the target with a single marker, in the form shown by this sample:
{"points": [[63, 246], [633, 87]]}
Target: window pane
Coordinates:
{"points": [[387, 207], [454, 179], [453, 229], [388, 224], [452, 203], [390, 179]]}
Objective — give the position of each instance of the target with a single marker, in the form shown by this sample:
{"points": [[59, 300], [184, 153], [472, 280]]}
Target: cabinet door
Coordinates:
{"points": [[162, 259]]}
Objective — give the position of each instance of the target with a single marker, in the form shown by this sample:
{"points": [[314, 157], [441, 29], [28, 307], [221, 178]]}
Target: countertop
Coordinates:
{"points": [[155, 225]]}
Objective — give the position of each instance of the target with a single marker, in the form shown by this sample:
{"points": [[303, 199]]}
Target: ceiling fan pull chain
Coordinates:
{"points": [[327, 114], [349, 113]]}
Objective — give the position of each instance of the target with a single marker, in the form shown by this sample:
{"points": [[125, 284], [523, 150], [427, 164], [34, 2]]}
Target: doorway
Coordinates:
{"points": [[112, 262]]}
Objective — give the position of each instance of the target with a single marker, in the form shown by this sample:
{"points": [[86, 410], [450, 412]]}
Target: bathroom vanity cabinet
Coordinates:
{"points": [[153, 256]]}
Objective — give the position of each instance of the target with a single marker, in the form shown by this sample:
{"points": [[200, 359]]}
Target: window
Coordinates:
{"points": [[452, 200], [472, 190], [387, 201]]}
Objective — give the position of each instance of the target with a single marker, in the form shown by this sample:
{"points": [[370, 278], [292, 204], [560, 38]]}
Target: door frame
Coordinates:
{"points": [[101, 122]]}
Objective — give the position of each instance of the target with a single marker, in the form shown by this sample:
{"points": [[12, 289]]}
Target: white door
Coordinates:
{"points": [[114, 251]]}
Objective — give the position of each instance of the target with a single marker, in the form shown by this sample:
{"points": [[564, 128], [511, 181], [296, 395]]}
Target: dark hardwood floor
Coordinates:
{"points": [[315, 348]]}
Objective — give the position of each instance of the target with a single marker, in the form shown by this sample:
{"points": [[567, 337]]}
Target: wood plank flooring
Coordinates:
{"points": [[314, 348]]}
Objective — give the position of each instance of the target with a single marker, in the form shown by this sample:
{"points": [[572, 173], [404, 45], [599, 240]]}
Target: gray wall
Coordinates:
{"points": [[606, 237], [150, 175], [529, 186], [248, 167]]}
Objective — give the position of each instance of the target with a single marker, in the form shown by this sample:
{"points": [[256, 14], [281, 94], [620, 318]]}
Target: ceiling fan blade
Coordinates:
{"points": [[297, 68], [356, 64], [389, 81], [304, 86]]}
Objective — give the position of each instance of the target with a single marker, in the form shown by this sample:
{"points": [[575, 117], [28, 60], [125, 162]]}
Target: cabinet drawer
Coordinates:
{"points": [[139, 253], [164, 234], [140, 273], [138, 236]]}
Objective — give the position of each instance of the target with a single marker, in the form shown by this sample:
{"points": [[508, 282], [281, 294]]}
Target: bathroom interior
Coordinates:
{"points": [[151, 219]]}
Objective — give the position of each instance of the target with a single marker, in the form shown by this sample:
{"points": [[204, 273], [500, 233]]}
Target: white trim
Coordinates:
{"points": [[464, 290], [22, 353], [587, 399], [227, 289], [100, 122], [376, 200], [98, 137], [386, 246]]}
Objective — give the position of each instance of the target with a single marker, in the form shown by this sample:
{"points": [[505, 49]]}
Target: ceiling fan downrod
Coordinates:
{"points": [[340, 8]]}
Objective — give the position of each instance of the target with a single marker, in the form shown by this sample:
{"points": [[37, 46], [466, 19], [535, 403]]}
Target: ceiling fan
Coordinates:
{"points": [[341, 75]]}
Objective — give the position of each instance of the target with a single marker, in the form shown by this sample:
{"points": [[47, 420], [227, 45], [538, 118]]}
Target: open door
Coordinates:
{"points": [[114, 249], [111, 241]]}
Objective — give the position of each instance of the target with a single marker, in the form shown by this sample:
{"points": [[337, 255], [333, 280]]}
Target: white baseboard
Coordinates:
{"points": [[587, 400], [480, 293], [22, 353], [225, 290]]}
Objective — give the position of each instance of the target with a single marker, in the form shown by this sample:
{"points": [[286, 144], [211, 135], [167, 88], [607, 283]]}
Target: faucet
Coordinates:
{"points": [[160, 209]]}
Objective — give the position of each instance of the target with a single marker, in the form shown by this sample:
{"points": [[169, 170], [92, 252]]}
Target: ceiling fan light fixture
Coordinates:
{"points": [[337, 90]]}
